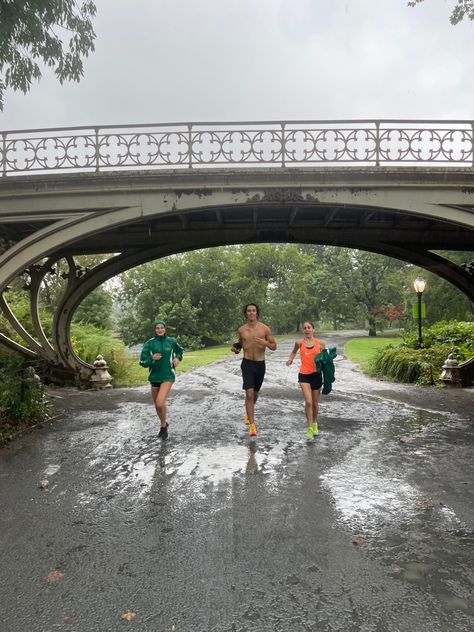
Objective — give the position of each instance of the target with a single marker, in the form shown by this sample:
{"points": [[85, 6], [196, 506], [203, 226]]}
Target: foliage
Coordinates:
{"points": [[96, 309], [89, 341], [58, 33], [391, 313], [19, 303], [409, 364], [361, 280], [22, 402], [404, 364], [462, 9], [290, 283], [459, 335], [194, 293]]}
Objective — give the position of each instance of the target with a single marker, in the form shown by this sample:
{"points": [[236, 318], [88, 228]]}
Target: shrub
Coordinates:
{"points": [[403, 364], [22, 401], [407, 363], [89, 341], [459, 335]]}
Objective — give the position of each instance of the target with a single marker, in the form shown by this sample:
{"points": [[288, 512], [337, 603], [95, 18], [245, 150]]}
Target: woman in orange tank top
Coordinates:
{"points": [[309, 379]]}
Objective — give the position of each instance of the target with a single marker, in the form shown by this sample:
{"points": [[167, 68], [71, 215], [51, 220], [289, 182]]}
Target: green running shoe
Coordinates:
{"points": [[309, 432], [314, 428]]}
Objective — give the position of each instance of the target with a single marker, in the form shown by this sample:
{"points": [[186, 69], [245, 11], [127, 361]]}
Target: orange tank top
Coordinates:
{"points": [[307, 357]]}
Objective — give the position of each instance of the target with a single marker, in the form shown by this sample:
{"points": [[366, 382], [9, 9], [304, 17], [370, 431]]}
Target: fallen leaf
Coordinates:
{"points": [[396, 568], [358, 540], [44, 485], [55, 576], [68, 620], [128, 616]]}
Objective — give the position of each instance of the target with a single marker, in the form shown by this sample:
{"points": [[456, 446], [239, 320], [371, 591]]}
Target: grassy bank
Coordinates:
{"points": [[362, 350]]}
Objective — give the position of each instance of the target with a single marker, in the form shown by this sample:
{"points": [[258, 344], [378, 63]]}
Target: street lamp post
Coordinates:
{"points": [[419, 284]]}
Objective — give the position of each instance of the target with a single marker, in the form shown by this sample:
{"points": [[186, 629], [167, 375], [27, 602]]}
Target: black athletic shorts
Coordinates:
{"points": [[253, 372], [315, 379], [156, 384]]}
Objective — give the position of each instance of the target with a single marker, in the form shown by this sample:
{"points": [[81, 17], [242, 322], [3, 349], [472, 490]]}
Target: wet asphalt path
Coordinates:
{"points": [[368, 528]]}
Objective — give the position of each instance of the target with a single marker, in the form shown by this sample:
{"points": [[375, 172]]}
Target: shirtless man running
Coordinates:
{"points": [[254, 339]]}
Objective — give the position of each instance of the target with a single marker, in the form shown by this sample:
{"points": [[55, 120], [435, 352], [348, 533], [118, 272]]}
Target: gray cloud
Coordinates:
{"points": [[212, 60]]}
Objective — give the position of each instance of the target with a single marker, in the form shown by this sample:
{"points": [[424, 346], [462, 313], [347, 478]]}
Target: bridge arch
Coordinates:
{"points": [[145, 216]]}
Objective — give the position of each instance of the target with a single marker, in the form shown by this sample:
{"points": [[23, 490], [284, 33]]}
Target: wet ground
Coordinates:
{"points": [[369, 528]]}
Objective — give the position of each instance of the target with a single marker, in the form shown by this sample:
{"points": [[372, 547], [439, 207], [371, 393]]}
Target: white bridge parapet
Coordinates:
{"points": [[358, 143]]}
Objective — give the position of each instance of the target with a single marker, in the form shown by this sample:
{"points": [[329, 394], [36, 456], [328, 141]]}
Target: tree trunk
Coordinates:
{"points": [[372, 330]]}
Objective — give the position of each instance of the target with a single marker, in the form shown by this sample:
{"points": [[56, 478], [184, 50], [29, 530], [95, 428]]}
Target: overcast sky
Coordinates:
{"points": [[221, 60]]}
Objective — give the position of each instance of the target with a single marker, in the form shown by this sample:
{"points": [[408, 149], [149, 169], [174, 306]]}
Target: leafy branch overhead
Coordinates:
{"points": [[55, 33], [462, 9]]}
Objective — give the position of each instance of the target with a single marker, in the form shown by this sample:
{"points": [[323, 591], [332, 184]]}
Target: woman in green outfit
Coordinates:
{"points": [[161, 355]]}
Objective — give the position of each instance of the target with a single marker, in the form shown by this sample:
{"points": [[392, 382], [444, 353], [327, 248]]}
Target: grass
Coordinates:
{"points": [[201, 357], [362, 350]]}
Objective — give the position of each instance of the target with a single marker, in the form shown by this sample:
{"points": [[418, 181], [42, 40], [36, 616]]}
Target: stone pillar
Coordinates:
{"points": [[450, 375], [101, 377]]}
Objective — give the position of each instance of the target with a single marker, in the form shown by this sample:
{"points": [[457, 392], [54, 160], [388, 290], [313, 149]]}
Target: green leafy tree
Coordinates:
{"points": [[361, 281], [254, 272], [144, 290], [183, 322], [293, 295], [210, 288], [57, 33], [198, 283], [462, 9], [96, 309]]}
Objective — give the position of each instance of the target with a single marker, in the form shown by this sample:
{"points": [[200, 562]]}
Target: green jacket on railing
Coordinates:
{"points": [[324, 362]]}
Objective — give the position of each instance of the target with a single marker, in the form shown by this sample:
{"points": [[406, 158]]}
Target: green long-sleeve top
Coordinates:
{"points": [[161, 370], [324, 362]]}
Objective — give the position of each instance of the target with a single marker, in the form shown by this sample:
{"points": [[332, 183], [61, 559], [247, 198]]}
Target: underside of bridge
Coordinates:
{"points": [[142, 216]]}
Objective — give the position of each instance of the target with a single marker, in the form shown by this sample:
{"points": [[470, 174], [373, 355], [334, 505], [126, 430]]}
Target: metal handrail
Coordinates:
{"points": [[363, 142]]}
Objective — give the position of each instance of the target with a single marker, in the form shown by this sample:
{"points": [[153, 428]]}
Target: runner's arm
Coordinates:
{"points": [[294, 351], [270, 340], [146, 359]]}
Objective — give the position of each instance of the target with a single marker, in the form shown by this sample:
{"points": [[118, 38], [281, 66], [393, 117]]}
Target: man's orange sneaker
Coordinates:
{"points": [[252, 430], [246, 420]]}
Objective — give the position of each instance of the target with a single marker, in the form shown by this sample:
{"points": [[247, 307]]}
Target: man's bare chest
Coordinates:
{"points": [[249, 336]]}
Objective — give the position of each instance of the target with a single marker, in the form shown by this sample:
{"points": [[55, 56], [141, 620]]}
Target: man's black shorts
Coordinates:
{"points": [[315, 379], [253, 372]]}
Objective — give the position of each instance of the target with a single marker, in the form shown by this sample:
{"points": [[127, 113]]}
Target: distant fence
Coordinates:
{"points": [[378, 143]]}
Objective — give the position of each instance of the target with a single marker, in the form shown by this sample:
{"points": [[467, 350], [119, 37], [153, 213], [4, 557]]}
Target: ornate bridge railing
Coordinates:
{"points": [[378, 143]]}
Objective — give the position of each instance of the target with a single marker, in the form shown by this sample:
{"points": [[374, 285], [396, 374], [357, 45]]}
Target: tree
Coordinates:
{"points": [[96, 309], [462, 9], [58, 33], [192, 292], [293, 295], [363, 279]]}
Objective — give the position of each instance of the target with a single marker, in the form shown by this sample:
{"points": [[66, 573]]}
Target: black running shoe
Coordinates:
{"points": [[163, 434]]}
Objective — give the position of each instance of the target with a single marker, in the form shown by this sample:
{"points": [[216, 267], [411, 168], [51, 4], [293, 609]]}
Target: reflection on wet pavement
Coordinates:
{"points": [[372, 520]]}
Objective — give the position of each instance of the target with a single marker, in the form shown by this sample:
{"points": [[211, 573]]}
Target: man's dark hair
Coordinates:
{"points": [[248, 305]]}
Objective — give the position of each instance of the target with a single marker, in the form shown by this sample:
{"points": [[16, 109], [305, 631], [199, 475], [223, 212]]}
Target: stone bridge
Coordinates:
{"points": [[398, 188]]}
